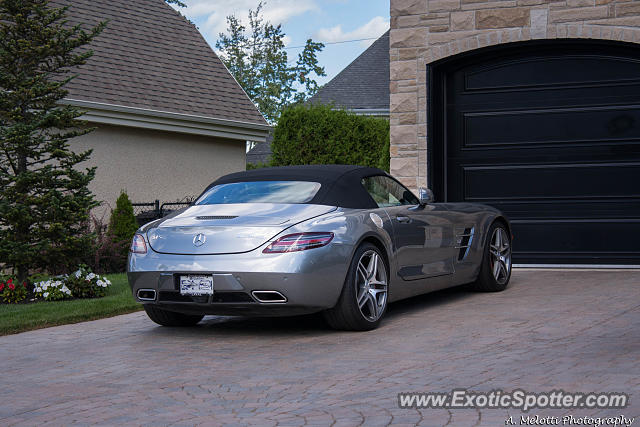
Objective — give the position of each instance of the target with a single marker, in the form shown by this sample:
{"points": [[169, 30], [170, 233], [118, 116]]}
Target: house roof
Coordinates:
{"points": [[261, 152], [150, 59], [363, 84]]}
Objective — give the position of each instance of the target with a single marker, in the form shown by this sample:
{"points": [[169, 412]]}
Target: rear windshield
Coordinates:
{"points": [[260, 192]]}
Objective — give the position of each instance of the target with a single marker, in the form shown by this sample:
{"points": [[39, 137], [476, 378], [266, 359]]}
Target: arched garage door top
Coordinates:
{"points": [[559, 32]]}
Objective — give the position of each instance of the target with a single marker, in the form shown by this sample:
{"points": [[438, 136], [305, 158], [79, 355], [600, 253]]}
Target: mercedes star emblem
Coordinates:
{"points": [[199, 239]]}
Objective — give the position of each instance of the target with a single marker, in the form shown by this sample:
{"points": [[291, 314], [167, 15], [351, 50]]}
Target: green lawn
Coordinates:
{"points": [[24, 317]]}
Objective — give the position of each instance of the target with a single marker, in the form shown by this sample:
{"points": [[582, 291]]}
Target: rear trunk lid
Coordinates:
{"points": [[227, 228]]}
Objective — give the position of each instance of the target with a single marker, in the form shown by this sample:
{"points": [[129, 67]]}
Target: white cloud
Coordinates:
{"points": [[372, 29], [214, 12]]}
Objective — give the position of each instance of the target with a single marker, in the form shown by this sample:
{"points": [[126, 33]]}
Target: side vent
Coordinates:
{"points": [[463, 242], [205, 218]]}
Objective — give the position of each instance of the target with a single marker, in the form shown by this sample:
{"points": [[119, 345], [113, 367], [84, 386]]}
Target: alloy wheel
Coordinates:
{"points": [[371, 285], [500, 250]]}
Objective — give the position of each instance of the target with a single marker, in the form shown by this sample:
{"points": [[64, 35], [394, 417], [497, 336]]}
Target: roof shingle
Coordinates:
{"points": [[363, 84], [151, 57]]}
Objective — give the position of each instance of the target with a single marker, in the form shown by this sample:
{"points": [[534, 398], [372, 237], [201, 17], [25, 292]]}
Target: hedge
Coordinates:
{"points": [[318, 134]]}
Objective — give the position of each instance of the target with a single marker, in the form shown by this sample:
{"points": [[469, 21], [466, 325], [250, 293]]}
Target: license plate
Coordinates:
{"points": [[195, 284]]}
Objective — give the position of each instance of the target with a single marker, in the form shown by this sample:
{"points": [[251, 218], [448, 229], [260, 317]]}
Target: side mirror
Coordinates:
{"points": [[425, 195]]}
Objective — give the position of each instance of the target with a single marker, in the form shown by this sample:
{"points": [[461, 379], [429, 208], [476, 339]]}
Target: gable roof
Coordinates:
{"points": [[363, 84], [261, 152], [150, 59]]}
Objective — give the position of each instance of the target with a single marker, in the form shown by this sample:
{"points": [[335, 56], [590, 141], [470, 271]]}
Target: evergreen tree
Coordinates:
{"points": [[123, 224], [44, 199]]}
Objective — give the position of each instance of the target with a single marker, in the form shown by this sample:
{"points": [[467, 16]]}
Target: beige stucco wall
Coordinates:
{"points": [[151, 164], [424, 31]]}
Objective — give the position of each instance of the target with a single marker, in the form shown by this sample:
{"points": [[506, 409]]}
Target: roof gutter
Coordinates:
{"points": [[370, 111], [97, 112]]}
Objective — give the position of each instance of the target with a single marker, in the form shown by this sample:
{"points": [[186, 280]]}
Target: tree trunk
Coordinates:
{"points": [[22, 230]]}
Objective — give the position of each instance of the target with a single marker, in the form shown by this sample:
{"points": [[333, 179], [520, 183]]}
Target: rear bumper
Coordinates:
{"points": [[310, 280]]}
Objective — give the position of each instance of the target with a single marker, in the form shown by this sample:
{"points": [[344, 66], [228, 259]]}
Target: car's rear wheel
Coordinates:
{"points": [[363, 301], [495, 271], [170, 318]]}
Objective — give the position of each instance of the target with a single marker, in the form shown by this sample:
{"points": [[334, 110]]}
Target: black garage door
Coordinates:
{"points": [[549, 133]]}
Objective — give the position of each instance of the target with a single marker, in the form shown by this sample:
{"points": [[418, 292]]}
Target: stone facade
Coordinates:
{"points": [[424, 31]]}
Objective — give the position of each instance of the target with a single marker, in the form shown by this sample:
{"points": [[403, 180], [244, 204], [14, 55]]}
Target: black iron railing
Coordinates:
{"points": [[150, 211]]}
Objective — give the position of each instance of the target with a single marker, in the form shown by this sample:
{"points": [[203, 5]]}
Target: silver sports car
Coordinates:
{"points": [[342, 240]]}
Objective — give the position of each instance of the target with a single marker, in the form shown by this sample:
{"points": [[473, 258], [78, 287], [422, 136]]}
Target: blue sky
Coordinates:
{"points": [[328, 21]]}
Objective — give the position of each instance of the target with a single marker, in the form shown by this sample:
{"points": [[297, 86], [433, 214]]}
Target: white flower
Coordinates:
{"points": [[107, 281], [78, 274], [46, 294], [38, 289], [90, 276]]}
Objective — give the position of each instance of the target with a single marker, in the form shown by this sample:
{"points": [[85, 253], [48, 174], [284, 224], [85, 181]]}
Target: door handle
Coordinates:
{"points": [[403, 218]]}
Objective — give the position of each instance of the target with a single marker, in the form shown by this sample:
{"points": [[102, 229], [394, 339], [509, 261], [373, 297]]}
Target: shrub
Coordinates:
{"points": [[12, 293], [85, 284], [258, 165], [122, 227], [318, 134], [123, 224], [108, 255], [52, 289]]}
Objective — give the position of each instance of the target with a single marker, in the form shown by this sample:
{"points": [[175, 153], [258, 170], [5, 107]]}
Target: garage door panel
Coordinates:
{"points": [[577, 239], [540, 98], [605, 209], [544, 182], [601, 125], [552, 71]]}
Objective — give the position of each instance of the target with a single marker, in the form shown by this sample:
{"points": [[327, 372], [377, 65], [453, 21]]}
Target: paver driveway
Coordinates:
{"points": [[574, 330]]}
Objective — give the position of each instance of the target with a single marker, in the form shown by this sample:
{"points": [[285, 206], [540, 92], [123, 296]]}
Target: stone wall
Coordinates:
{"points": [[423, 31]]}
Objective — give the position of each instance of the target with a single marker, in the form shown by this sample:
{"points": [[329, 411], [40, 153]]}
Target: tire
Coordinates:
{"points": [[492, 277], [170, 318], [367, 281]]}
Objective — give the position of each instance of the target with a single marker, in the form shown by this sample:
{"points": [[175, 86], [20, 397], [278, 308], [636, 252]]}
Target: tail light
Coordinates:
{"points": [[298, 242], [138, 246]]}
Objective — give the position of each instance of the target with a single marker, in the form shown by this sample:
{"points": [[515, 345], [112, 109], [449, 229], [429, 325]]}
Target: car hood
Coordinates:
{"points": [[227, 228]]}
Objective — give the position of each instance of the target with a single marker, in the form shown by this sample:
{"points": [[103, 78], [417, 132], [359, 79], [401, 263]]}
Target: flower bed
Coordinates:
{"points": [[81, 284]]}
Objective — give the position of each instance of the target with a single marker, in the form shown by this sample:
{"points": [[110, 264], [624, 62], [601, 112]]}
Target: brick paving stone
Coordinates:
{"points": [[570, 330]]}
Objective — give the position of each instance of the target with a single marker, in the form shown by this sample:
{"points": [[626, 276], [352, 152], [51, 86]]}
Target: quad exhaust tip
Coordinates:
{"points": [[146, 294], [269, 296]]}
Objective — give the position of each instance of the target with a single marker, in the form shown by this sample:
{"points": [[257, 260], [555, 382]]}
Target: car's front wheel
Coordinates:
{"points": [[170, 318], [363, 301], [495, 270]]}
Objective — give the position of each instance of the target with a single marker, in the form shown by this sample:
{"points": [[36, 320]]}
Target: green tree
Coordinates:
{"points": [[123, 224], [44, 198], [257, 58]]}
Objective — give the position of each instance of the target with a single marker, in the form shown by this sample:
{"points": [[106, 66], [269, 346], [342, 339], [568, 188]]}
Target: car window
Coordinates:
{"points": [[388, 192], [260, 192]]}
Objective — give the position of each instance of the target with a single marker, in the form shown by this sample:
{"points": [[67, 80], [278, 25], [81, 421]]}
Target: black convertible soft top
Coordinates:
{"points": [[341, 185]]}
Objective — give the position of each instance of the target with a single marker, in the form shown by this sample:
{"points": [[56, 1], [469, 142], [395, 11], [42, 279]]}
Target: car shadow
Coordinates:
{"points": [[307, 325], [426, 301]]}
